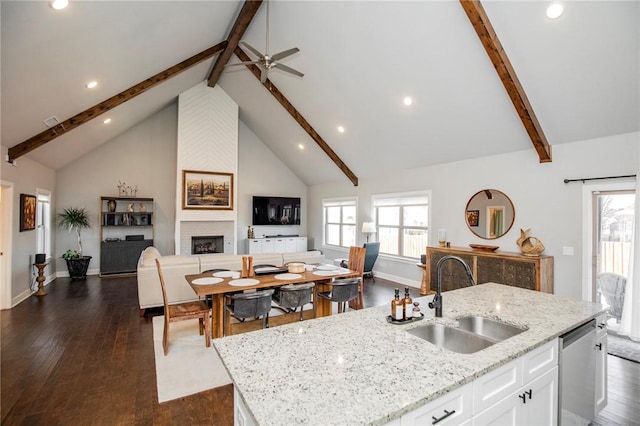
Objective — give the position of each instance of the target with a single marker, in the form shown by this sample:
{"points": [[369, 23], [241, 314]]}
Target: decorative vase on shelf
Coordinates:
{"points": [[111, 205], [143, 208]]}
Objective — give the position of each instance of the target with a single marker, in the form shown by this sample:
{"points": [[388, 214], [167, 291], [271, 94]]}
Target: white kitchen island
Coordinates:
{"points": [[355, 368]]}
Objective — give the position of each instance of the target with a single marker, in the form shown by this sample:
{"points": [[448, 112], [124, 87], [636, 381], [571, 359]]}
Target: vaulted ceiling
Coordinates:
{"points": [[360, 59]]}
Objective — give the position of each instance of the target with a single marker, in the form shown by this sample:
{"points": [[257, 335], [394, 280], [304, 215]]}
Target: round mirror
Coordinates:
{"points": [[489, 214]]}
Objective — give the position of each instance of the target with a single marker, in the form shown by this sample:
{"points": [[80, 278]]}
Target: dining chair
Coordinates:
{"points": [[183, 311], [342, 291], [356, 264], [248, 305], [612, 287], [372, 250], [290, 297]]}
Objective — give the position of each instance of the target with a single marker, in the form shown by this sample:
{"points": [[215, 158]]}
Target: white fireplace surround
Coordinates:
{"points": [[198, 228]]}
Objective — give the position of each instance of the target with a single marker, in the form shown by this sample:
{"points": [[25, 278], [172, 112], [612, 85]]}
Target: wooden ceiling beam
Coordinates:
{"points": [[48, 135], [255, 70], [480, 21], [245, 17]]}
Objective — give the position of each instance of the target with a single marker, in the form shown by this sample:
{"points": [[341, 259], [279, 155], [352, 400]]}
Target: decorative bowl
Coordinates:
{"points": [[296, 268]]}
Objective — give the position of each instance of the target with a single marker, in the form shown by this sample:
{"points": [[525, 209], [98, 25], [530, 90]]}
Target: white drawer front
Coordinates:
{"points": [[450, 409], [540, 360], [495, 385]]}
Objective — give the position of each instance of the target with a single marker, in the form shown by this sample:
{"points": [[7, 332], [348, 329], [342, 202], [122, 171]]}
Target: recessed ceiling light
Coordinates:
{"points": [[555, 10], [341, 129], [107, 121], [59, 4], [407, 100], [300, 146], [91, 84]]}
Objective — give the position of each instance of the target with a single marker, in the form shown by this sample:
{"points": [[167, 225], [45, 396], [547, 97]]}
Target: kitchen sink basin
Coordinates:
{"points": [[473, 334], [453, 339], [489, 328]]}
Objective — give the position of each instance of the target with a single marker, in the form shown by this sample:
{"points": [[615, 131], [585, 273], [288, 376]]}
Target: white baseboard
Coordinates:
{"points": [[27, 293], [21, 297], [400, 280], [65, 274]]}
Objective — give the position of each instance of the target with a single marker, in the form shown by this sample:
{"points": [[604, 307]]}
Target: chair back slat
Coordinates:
{"points": [[356, 259], [164, 289]]}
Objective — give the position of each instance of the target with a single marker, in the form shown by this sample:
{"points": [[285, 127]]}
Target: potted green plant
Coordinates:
{"points": [[75, 219]]}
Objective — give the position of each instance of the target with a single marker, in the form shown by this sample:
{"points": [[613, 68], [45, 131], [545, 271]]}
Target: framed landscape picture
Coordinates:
{"points": [[472, 217], [207, 190], [27, 212]]}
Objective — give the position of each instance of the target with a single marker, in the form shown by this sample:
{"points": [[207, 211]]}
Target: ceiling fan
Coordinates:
{"points": [[266, 61]]}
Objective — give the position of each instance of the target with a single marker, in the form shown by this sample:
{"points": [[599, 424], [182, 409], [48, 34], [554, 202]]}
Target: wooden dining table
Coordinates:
{"points": [[217, 291]]}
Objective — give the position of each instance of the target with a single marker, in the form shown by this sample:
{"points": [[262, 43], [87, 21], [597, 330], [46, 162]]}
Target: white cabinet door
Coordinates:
{"points": [[496, 385], [301, 244], [255, 246], [279, 245], [290, 245], [268, 246], [601, 371], [450, 409], [241, 416], [502, 413], [534, 404], [541, 400]]}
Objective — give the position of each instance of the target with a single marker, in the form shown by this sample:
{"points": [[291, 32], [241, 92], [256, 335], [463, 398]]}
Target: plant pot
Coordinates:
{"points": [[78, 267]]}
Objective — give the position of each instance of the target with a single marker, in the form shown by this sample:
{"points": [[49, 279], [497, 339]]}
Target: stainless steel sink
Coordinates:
{"points": [[489, 328], [453, 339], [473, 334]]}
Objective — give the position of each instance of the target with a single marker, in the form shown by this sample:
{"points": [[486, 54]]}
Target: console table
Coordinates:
{"points": [[514, 269]]}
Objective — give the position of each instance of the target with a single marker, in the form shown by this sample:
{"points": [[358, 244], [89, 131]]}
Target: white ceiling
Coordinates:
{"points": [[360, 59]]}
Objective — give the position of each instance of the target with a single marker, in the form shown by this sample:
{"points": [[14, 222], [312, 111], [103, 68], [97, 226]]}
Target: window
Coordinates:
{"points": [[43, 222], [339, 218], [401, 222]]}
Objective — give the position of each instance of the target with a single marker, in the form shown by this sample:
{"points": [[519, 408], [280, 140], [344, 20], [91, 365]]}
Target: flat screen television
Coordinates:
{"points": [[276, 210]]}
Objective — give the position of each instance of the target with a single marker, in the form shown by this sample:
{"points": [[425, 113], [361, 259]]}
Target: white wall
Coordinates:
{"points": [[542, 201], [144, 155], [207, 141], [26, 177], [264, 174]]}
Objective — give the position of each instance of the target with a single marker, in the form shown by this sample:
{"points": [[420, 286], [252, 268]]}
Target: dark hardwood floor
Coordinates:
{"points": [[83, 356]]}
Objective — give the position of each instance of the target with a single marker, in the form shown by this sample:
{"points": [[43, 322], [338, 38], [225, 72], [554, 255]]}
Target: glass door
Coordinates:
{"points": [[613, 218]]}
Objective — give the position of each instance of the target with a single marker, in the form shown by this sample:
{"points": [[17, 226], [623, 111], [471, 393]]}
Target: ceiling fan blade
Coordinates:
{"points": [[285, 53], [263, 75], [252, 49], [288, 69]]}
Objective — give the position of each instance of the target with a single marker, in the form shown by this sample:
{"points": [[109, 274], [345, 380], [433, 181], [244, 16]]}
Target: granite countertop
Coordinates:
{"points": [[355, 368]]}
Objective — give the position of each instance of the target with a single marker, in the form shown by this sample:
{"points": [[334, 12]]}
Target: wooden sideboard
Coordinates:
{"points": [[515, 269]]}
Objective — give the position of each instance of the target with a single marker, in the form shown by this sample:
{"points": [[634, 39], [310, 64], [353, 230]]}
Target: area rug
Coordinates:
{"points": [[623, 348], [189, 367]]}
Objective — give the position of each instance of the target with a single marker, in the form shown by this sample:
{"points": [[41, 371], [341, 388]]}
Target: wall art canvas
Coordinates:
{"points": [[207, 190], [27, 212]]}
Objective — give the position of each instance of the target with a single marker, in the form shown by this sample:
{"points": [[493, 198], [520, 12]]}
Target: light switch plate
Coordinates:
{"points": [[567, 251]]}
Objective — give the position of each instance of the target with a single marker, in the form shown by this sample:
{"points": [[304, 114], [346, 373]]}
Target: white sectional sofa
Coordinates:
{"points": [[175, 267]]}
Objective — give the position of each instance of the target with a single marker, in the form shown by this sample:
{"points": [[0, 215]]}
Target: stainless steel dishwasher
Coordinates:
{"points": [[577, 387]]}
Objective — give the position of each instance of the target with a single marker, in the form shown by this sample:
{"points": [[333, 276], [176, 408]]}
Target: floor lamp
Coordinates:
{"points": [[368, 228]]}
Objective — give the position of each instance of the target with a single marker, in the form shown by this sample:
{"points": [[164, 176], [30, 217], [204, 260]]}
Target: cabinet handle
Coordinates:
{"points": [[446, 414], [529, 392], [602, 325], [524, 398], [599, 346]]}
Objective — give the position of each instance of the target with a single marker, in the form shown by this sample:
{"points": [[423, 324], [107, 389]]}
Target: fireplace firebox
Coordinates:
{"points": [[207, 244]]}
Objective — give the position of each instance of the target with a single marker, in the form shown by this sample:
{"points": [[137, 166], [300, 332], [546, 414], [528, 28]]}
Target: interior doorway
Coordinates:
{"points": [[613, 219], [6, 219]]}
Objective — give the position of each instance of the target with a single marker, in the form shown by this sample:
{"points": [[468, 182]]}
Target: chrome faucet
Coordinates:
{"points": [[437, 299]]}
